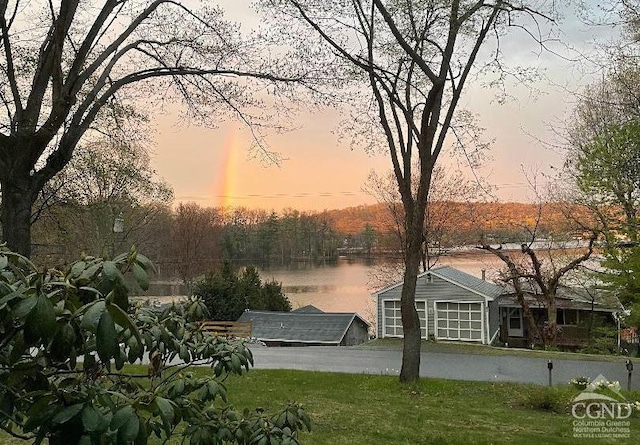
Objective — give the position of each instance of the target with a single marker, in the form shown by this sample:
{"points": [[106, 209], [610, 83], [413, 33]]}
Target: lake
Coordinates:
{"points": [[347, 285]]}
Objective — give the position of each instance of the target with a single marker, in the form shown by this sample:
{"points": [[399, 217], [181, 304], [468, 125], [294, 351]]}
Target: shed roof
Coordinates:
{"points": [[459, 278], [301, 327]]}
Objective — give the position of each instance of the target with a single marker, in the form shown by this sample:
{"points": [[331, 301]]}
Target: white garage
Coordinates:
{"points": [[451, 305], [459, 321]]}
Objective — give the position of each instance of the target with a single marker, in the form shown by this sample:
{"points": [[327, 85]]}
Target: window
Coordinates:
{"points": [[567, 317], [459, 321], [393, 318]]}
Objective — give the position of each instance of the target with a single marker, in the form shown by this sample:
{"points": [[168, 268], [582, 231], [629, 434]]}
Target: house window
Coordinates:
{"points": [[459, 321], [393, 318], [567, 317]]}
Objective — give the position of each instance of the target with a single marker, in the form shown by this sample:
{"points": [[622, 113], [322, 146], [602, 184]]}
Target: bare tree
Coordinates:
{"points": [[538, 268], [414, 59], [67, 65], [76, 210], [193, 240], [450, 203]]}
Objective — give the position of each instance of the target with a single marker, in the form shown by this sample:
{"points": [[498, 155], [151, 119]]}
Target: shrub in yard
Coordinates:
{"points": [[227, 294], [551, 399], [65, 337]]}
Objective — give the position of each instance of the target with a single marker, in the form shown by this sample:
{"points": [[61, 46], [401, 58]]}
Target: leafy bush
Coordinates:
{"points": [[66, 337], [226, 295], [604, 340], [552, 399]]}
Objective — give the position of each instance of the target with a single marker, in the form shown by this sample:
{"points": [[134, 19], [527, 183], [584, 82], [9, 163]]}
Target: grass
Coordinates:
{"points": [[365, 409], [480, 349]]}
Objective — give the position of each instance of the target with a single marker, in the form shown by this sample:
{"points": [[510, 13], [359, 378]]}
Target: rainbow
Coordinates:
{"points": [[224, 186]]}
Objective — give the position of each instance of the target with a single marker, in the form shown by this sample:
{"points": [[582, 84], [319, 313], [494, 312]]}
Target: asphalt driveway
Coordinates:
{"points": [[441, 365]]}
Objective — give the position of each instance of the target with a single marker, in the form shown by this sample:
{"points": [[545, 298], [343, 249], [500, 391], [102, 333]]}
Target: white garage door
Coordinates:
{"points": [[459, 321], [393, 319]]}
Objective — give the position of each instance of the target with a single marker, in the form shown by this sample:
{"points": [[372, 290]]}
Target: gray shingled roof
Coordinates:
{"points": [[465, 280], [308, 309], [300, 327], [569, 298]]}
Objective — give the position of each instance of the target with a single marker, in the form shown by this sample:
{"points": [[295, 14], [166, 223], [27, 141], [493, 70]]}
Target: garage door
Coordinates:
{"points": [[459, 321], [393, 318]]}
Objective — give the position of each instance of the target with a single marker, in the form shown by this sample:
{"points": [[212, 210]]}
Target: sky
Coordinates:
{"points": [[213, 167]]}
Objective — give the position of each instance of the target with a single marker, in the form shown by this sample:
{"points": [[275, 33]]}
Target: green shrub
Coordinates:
{"points": [[226, 295], [554, 399], [604, 340], [65, 337]]}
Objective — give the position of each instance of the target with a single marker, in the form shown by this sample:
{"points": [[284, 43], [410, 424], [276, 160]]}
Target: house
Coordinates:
{"points": [[576, 310], [453, 305], [307, 327]]}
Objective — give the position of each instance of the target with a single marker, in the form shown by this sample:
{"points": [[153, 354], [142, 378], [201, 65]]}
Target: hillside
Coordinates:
{"points": [[485, 217]]}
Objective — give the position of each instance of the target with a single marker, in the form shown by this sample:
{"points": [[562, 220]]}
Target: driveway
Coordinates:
{"points": [[441, 365]]}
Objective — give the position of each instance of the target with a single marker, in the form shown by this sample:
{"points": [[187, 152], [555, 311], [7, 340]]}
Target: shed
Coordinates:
{"points": [[307, 328], [451, 305]]}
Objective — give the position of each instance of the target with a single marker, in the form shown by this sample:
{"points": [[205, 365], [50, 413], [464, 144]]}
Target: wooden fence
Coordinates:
{"points": [[229, 328]]}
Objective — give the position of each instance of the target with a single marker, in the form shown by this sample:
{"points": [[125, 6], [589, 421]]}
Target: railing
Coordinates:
{"points": [[568, 335], [229, 328]]}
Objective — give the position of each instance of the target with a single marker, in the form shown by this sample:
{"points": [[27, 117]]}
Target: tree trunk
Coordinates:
{"points": [[17, 201], [551, 334], [410, 371]]}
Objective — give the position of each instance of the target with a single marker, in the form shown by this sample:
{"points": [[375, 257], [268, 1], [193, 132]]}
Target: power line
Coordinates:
{"points": [[276, 195]]}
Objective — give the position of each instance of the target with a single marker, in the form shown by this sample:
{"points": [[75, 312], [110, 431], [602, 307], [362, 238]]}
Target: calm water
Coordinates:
{"points": [[347, 285]]}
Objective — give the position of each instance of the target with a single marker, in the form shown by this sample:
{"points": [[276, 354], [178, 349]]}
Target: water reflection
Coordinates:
{"points": [[346, 285]]}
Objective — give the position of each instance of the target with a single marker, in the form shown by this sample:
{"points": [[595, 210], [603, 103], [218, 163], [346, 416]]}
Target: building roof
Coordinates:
{"points": [[569, 298], [459, 278], [308, 309], [463, 279], [300, 327]]}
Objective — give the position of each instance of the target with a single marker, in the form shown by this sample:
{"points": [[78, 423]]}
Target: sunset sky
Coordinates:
{"points": [[212, 166]]}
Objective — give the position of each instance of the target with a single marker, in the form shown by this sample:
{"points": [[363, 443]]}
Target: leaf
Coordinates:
{"points": [[236, 366], [121, 417], [67, 413], [106, 337], [121, 317], [166, 409], [91, 419], [141, 276], [89, 273], [18, 348], [4, 261], [77, 269], [111, 272], [129, 431], [62, 342], [92, 316], [25, 307], [145, 262], [184, 353], [143, 437], [121, 297], [44, 316]]}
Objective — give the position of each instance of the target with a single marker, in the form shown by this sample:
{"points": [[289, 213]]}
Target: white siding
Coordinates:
{"points": [[430, 291]]}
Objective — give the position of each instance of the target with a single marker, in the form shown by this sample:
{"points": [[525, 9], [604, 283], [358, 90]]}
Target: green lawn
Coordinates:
{"points": [[365, 409]]}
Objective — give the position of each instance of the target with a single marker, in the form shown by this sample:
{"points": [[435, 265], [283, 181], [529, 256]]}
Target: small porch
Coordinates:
{"points": [[573, 326]]}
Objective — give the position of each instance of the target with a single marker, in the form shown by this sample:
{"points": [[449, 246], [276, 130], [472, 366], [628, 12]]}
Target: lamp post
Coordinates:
{"points": [[118, 228]]}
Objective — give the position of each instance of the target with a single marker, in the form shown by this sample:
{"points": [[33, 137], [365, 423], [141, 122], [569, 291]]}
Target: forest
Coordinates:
{"points": [[188, 240]]}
